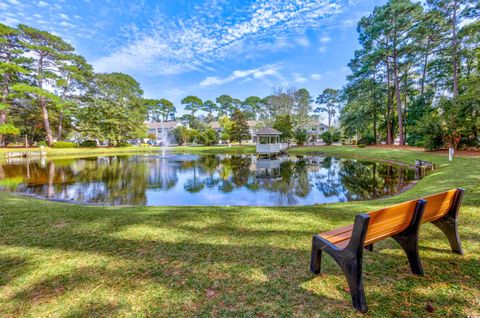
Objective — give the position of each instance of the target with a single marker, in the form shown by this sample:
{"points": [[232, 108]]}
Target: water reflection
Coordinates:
{"points": [[204, 180]]}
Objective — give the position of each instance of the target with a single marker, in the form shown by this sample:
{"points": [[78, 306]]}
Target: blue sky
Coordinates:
{"points": [[206, 48]]}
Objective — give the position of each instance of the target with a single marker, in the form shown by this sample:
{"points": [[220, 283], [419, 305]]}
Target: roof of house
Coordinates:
{"points": [[216, 124], [268, 131], [164, 124]]}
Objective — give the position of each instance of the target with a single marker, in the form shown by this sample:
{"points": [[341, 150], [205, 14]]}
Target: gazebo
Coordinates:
{"points": [[268, 141]]}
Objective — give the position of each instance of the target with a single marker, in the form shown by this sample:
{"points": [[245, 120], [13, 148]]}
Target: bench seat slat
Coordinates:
{"points": [[438, 205]]}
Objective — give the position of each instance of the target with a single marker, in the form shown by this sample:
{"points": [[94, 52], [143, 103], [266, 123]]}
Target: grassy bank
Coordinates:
{"points": [[61, 260], [53, 152]]}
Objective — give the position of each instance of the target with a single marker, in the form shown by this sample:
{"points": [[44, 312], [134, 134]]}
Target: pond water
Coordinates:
{"points": [[204, 180]]}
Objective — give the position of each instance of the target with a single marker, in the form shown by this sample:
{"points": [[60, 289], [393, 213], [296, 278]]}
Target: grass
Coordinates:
{"points": [[61, 260], [63, 152]]}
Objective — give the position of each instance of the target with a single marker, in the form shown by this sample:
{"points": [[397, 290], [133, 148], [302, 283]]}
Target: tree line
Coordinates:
{"points": [[416, 75], [50, 93]]}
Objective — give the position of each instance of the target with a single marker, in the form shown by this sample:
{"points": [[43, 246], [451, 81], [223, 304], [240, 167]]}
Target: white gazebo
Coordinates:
{"points": [[268, 142]]}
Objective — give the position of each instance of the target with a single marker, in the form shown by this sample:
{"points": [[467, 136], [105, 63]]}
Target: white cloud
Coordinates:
{"points": [[175, 45], [42, 4], [298, 78], [325, 39], [66, 24], [257, 73], [316, 77], [63, 16], [322, 49], [303, 41]]}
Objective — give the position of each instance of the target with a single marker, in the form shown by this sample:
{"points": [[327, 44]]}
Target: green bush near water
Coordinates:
{"points": [[89, 144], [64, 144]]}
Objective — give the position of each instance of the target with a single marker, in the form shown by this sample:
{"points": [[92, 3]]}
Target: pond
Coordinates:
{"points": [[204, 179]]}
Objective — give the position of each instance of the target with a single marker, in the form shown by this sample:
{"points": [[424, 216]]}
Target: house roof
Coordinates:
{"points": [[216, 124], [165, 124], [268, 131]]}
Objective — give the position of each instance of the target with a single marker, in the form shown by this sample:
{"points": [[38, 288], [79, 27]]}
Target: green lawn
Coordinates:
{"points": [[56, 152], [62, 260]]}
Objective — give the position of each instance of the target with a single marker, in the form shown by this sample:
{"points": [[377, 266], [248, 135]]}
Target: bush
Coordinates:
{"points": [[327, 138], [42, 143], [181, 135], [431, 131], [361, 145], [193, 135], [301, 137], [367, 140], [208, 137], [89, 144], [144, 145], [336, 136], [64, 144], [124, 144]]}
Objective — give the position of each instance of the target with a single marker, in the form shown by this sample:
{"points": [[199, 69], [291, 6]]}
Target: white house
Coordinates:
{"points": [[252, 125], [161, 129]]}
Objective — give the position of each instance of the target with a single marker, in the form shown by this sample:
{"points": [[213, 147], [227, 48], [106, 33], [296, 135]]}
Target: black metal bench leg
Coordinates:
{"points": [[408, 239], [369, 247], [409, 244], [316, 256], [352, 269], [449, 227], [349, 259]]}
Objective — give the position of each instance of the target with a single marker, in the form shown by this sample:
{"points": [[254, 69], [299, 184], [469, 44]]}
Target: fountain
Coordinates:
{"points": [[164, 135]]}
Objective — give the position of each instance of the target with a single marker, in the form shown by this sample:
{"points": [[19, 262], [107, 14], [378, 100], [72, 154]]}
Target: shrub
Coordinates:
{"points": [[64, 144], [361, 145], [301, 137], [193, 135], [88, 144], [327, 137], [367, 140], [336, 136], [181, 135], [42, 143], [208, 137], [432, 132], [144, 145], [124, 144]]}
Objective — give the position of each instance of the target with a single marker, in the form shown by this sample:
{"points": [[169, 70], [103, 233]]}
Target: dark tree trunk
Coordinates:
{"points": [[397, 95], [405, 113], [455, 49], [43, 105], [374, 109], [424, 71], [46, 122], [389, 106], [3, 112]]}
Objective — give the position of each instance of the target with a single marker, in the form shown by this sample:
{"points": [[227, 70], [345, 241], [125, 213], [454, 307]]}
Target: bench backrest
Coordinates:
{"points": [[389, 221], [438, 205]]}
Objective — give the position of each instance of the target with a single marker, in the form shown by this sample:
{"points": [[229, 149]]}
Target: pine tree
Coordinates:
{"points": [[48, 51]]}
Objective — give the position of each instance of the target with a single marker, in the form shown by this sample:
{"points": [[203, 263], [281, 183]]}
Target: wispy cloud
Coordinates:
{"points": [[257, 73], [316, 77], [174, 45], [299, 78]]}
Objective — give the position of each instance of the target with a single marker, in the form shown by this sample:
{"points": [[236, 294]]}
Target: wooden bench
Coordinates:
{"points": [[442, 211], [401, 222]]}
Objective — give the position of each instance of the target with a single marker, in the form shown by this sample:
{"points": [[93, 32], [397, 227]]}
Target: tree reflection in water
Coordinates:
{"points": [[212, 180]]}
